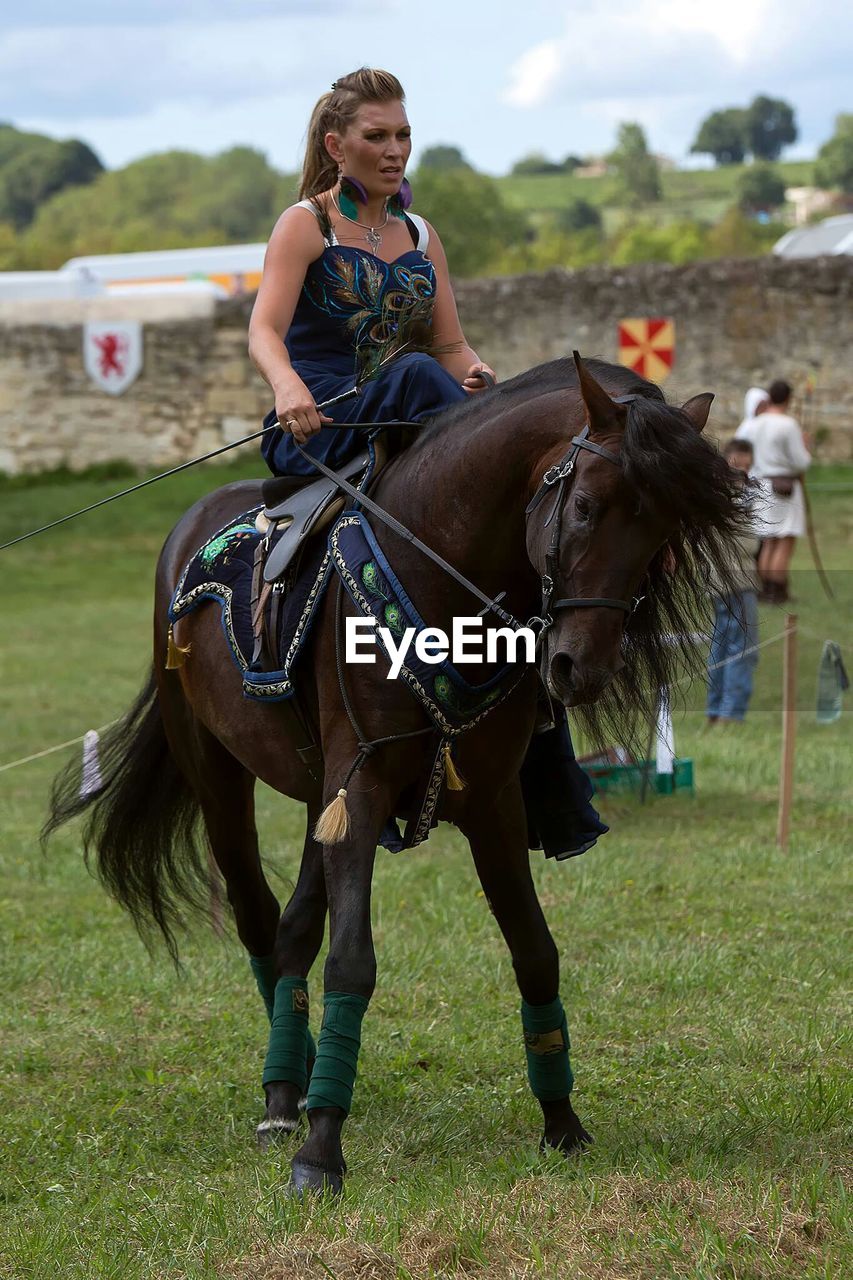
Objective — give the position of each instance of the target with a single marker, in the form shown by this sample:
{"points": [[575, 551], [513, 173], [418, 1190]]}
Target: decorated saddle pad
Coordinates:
{"points": [[221, 570], [452, 703]]}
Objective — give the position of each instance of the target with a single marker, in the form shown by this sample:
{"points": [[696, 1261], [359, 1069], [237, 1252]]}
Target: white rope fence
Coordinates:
{"points": [[695, 639], [60, 746]]}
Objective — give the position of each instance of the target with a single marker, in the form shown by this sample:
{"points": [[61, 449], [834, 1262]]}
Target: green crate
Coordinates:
{"points": [[629, 777]]}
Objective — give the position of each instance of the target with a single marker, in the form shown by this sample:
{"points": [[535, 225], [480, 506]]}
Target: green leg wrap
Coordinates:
{"points": [[546, 1042], [289, 1034], [333, 1078], [263, 967]]}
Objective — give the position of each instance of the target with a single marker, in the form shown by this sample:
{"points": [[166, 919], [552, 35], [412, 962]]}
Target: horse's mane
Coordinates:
{"points": [[556, 375], [677, 474]]}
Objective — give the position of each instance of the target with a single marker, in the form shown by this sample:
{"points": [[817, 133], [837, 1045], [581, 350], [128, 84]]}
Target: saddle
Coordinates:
{"points": [[295, 509]]}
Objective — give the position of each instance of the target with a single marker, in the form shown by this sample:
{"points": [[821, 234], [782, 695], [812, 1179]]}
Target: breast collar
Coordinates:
{"points": [[558, 478]]}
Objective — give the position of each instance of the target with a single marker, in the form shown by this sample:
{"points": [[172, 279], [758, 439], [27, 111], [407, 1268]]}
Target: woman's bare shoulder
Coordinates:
{"points": [[299, 231]]}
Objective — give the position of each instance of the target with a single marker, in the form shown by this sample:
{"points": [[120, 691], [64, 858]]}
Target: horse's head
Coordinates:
{"points": [[607, 510]]}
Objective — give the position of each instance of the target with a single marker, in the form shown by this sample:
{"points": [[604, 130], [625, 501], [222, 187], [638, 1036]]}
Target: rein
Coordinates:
{"points": [[491, 606]]}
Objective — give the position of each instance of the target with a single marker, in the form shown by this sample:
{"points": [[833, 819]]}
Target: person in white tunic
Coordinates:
{"points": [[755, 402], [781, 456]]}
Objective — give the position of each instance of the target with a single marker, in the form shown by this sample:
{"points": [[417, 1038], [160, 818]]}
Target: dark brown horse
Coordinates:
{"points": [[646, 509]]}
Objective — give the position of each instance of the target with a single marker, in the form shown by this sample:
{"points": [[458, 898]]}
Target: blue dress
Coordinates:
{"points": [[353, 301]]}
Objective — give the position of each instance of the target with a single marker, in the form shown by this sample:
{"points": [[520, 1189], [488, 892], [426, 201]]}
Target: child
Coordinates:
{"points": [[733, 655]]}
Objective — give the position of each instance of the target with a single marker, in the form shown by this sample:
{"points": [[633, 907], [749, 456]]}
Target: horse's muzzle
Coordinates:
{"points": [[574, 684]]}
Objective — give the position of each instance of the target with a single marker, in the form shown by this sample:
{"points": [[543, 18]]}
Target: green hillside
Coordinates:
{"points": [[702, 195]]}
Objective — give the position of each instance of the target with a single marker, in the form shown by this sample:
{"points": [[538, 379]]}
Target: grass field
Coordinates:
{"points": [[701, 194], [705, 973]]}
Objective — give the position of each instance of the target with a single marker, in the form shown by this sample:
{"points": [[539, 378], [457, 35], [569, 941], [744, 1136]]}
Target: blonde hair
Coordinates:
{"points": [[334, 113]]}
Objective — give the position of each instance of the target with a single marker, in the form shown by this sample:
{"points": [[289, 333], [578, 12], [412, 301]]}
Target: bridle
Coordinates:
{"points": [[558, 478]]}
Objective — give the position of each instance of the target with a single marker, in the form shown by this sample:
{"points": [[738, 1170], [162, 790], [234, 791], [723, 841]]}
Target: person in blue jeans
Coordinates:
{"points": [[733, 655]]}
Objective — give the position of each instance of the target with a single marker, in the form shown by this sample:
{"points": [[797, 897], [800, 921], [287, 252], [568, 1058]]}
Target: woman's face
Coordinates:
{"points": [[375, 148]]}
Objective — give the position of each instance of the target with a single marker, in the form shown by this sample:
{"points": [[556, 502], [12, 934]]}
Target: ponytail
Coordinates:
{"points": [[335, 111]]}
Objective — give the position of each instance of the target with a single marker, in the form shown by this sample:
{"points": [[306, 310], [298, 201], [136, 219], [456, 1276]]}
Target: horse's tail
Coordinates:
{"points": [[142, 823]]}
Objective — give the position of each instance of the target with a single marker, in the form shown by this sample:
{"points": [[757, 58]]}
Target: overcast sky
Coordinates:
{"points": [[498, 79]]}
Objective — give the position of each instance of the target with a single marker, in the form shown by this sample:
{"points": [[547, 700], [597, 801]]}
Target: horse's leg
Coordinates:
{"points": [[225, 791], [281, 950], [291, 1049], [349, 980], [497, 831]]}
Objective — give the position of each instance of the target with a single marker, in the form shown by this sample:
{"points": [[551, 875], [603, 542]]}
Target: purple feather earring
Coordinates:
{"points": [[399, 203], [351, 190]]}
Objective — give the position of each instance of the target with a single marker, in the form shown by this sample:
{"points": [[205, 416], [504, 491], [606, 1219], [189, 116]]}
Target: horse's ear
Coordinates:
{"points": [[698, 408], [604, 414]]}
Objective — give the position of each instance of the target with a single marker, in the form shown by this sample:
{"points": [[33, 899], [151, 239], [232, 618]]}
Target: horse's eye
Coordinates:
{"points": [[583, 508]]}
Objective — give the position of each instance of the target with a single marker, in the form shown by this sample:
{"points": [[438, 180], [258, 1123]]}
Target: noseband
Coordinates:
{"points": [[559, 478]]}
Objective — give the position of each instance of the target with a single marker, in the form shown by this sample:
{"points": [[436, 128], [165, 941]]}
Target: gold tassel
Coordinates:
{"points": [[333, 824], [454, 780], [176, 655]]}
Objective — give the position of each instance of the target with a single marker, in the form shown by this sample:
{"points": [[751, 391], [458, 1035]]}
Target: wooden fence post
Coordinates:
{"points": [[789, 728]]}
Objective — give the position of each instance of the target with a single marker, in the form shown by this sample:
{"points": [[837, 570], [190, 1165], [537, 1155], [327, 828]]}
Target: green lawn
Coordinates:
{"points": [[705, 974]]}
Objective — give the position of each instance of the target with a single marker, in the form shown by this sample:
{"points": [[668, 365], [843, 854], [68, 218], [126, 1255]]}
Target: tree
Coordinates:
{"points": [[441, 157], [638, 171], [172, 200], [474, 222], [578, 215], [760, 188], [536, 162], [834, 166], [737, 236], [571, 163], [770, 126], [36, 168], [679, 242], [723, 136]]}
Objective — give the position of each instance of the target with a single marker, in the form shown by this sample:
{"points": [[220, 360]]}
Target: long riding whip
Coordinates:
{"points": [[812, 537], [355, 390]]}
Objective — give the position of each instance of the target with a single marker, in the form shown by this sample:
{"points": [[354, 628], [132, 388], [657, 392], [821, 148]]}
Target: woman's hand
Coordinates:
{"points": [[296, 410], [472, 382]]}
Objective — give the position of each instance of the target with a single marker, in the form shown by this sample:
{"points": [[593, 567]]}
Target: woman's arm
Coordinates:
{"points": [[795, 447], [294, 244], [460, 359]]}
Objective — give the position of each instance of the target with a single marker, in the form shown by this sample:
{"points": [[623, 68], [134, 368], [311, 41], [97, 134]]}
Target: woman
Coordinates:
{"points": [[781, 457], [350, 275]]}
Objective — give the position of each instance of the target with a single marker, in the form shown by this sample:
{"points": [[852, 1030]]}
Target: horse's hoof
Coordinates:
{"points": [[307, 1179], [567, 1144], [272, 1131]]}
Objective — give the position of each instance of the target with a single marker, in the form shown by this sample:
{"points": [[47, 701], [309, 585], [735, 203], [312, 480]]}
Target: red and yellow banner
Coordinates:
{"points": [[648, 347]]}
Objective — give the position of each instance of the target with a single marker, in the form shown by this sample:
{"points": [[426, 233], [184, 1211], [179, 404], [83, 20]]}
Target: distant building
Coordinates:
{"points": [[232, 268], [594, 167], [831, 236], [219, 271], [808, 201]]}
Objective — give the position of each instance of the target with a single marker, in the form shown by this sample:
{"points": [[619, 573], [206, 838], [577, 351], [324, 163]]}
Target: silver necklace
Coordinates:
{"points": [[371, 234]]}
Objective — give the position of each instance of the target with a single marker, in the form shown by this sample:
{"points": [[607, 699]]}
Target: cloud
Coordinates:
{"points": [[107, 59], [102, 13], [535, 75], [117, 71], [731, 49]]}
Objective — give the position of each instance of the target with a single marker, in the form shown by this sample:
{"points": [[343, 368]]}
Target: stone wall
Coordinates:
{"points": [[737, 323], [197, 389]]}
